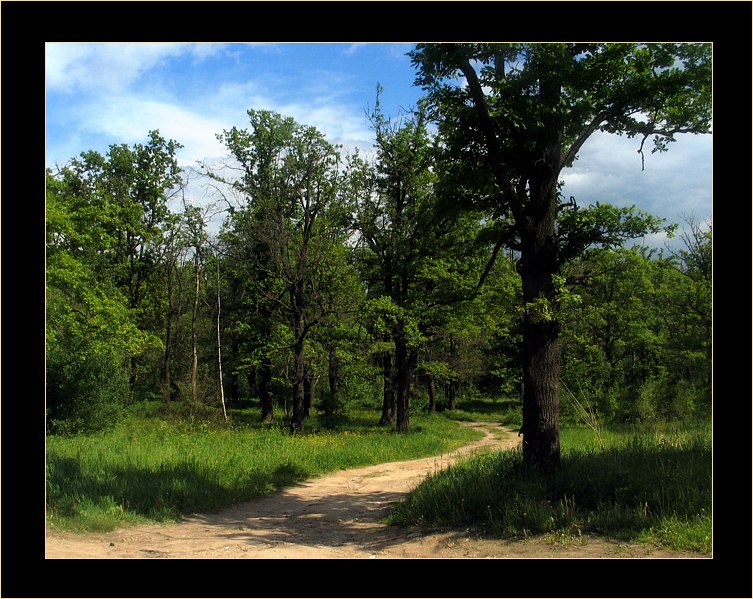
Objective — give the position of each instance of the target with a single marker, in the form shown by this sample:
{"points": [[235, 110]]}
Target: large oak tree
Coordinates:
{"points": [[511, 117]]}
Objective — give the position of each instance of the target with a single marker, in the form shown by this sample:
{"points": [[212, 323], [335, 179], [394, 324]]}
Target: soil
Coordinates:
{"points": [[337, 515]]}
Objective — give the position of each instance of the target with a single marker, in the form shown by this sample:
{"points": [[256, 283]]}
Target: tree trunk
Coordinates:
{"points": [[403, 365], [308, 392], [219, 345], [541, 391], [541, 366], [452, 386], [166, 381], [132, 380], [452, 395], [388, 403], [296, 420], [432, 394], [194, 333], [541, 353], [265, 390], [330, 406], [166, 368], [234, 391]]}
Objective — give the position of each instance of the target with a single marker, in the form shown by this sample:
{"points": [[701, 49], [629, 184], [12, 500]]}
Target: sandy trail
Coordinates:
{"points": [[332, 516]]}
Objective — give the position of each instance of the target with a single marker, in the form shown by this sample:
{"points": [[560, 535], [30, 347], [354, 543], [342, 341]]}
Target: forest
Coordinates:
{"points": [[443, 273]]}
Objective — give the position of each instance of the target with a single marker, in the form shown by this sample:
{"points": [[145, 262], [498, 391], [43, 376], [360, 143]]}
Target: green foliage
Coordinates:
{"points": [[157, 470], [519, 116], [284, 245], [87, 386], [638, 345], [643, 486], [104, 217], [602, 225]]}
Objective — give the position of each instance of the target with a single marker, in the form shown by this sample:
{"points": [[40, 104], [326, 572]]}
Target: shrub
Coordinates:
{"points": [[86, 388]]}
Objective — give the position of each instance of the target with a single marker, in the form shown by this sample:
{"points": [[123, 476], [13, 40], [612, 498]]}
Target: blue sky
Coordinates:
{"points": [[102, 94]]}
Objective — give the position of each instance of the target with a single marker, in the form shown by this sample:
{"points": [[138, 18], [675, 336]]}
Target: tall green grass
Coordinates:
{"points": [[651, 485], [152, 469]]}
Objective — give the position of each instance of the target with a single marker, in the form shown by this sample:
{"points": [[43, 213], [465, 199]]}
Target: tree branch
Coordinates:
{"points": [[487, 128], [490, 263], [578, 144]]}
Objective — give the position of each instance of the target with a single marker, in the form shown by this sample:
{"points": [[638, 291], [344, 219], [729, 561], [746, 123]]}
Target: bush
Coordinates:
{"points": [[86, 388], [650, 397]]}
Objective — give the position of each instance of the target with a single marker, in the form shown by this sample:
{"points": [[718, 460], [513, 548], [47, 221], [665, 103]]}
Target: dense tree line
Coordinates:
{"points": [[447, 264]]}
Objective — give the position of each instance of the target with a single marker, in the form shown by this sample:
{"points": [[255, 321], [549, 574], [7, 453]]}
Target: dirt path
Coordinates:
{"points": [[332, 516]]}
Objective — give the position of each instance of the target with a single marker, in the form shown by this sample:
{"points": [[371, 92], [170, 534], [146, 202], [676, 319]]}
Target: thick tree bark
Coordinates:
{"points": [[388, 402], [541, 392], [541, 353]]}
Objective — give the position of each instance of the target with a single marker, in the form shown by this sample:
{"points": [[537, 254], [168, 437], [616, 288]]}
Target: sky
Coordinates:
{"points": [[103, 94]]}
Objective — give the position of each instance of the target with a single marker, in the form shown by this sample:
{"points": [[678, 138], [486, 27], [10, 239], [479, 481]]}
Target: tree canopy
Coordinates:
{"points": [[447, 260], [510, 118]]}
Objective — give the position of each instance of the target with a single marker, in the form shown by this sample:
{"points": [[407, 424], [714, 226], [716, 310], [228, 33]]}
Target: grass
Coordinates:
{"points": [[152, 469], [648, 485]]}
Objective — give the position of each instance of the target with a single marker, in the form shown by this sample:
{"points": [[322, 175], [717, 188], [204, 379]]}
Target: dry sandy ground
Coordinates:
{"points": [[333, 516]]}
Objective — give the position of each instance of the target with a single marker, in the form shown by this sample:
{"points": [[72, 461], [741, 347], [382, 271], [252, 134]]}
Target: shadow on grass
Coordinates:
{"points": [[162, 494], [489, 406], [623, 491]]}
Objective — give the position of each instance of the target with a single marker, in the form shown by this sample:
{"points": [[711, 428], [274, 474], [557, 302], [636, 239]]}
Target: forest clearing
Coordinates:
{"points": [[422, 349], [341, 515]]}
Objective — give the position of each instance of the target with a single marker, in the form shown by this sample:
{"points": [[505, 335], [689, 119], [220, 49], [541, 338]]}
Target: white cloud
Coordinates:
{"points": [[678, 181], [353, 48], [128, 119], [111, 67], [203, 51], [339, 122]]}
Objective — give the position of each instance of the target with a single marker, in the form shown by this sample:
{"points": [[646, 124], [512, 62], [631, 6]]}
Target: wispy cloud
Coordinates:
{"points": [[352, 49], [128, 120], [112, 68]]}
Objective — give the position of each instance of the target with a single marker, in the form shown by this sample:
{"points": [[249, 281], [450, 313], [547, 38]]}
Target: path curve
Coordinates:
{"points": [[331, 516]]}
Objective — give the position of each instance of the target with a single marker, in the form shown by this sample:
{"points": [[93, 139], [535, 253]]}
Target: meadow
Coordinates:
{"points": [[155, 468], [636, 482]]}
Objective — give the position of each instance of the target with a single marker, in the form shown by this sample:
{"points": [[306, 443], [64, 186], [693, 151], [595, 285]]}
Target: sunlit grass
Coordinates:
{"points": [[152, 469], [651, 484]]}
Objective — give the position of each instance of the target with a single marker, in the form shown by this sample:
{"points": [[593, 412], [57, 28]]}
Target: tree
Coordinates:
{"points": [[195, 222], [104, 248], [89, 329], [519, 117], [638, 344], [127, 190], [416, 259], [290, 178], [394, 219]]}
